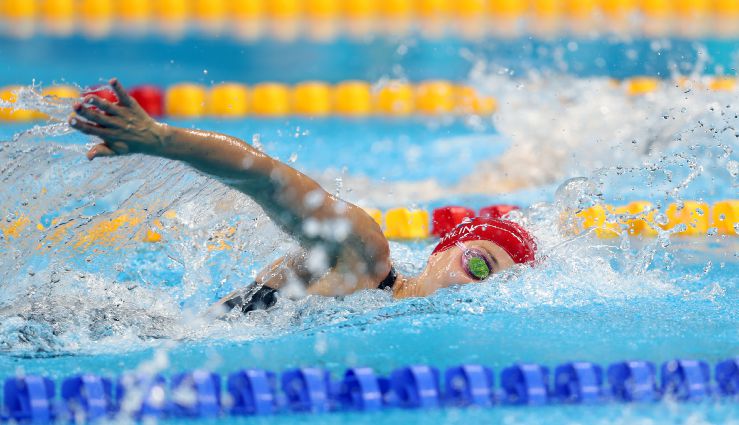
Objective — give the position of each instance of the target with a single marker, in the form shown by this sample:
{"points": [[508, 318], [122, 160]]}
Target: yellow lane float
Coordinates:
{"points": [[395, 98], [9, 95], [311, 98], [725, 217], [435, 97], [270, 99], [228, 100], [353, 98], [642, 85], [694, 216], [185, 100], [403, 223]]}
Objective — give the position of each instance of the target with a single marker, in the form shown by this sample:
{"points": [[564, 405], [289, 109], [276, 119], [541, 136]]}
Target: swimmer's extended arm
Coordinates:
{"points": [[293, 200]]}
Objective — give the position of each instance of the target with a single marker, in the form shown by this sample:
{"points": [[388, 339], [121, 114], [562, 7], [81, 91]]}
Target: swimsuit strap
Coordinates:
{"points": [[389, 281]]}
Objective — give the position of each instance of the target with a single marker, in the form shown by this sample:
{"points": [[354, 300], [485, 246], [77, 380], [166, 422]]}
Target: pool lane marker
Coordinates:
{"points": [[636, 219], [352, 98], [324, 20], [201, 394]]}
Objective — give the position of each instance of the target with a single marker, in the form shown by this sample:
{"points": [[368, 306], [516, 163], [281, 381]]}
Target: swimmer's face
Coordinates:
{"points": [[467, 262]]}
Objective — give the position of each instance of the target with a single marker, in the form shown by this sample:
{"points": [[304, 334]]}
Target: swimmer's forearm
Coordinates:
{"points": [[239, 165], [280, 190], [217, 154]]}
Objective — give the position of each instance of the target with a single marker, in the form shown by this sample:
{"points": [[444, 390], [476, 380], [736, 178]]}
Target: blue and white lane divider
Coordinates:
{"points": [[200, 394]]}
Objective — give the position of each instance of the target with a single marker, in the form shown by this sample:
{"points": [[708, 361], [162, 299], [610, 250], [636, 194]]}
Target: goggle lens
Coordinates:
{"points": [[476, 265]]}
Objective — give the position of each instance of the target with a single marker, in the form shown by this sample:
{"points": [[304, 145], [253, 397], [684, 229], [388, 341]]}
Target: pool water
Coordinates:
{"points": [[73, 304]]}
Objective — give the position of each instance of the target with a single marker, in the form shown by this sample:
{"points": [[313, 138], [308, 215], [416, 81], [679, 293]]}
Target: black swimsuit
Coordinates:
{"points": [[389, 281], [253, 297], [260, 297]]}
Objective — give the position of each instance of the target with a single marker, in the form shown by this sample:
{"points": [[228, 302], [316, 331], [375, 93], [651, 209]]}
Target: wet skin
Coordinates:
{"points": [[356, 260], [446, 268]]}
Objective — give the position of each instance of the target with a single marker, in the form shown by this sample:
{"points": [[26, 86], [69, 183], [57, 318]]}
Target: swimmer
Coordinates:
{"points": [[356, 257]]}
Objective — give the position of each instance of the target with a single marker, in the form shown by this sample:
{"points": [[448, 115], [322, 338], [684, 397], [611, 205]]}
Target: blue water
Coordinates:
{"points": [[108, 308], [378, 149], [163, 62]]}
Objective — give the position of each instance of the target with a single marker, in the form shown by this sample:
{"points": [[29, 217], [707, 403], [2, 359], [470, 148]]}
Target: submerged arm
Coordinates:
{"points": [[293, 200]]}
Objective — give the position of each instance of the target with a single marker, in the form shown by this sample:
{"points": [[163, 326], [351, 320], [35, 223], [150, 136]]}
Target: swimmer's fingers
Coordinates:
{"points": [[102, 104], [95, 116], [89, 128], [100, 150], [124, 98]]}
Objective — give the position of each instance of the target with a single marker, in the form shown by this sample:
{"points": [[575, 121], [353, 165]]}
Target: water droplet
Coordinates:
{"points": [[733, 168], [576, 194], [256, 141]]}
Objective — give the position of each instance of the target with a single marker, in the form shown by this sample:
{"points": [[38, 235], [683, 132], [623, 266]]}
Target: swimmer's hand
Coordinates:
{"points": [[124, 126]]}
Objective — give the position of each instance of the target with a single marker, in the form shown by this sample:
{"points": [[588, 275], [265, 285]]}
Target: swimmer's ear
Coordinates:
{"points": [[99, 150]]}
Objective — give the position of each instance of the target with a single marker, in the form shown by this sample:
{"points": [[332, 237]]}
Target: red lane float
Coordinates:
{"points": [[102, 92], [151, 99], [497, 211], [447, 218]]}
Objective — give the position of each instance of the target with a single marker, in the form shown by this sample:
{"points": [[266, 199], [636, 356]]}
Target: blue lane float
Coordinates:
{"points": [[201, 394], [360, 390], [196, 394], [29, 399], [307, 389], [88, 397], [727, 377], [579, 382], [414, 387], [633, 381], [253, 392], [142, 396], [525, 384], [469, 385], [686, 380]]}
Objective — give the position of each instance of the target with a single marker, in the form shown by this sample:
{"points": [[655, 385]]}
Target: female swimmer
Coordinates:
{"points": [[356, 259]]}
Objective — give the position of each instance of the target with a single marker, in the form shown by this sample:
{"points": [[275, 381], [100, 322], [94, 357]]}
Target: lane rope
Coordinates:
{"points": [[200, 393], [351, 98], [327, 19], [637, 219]]}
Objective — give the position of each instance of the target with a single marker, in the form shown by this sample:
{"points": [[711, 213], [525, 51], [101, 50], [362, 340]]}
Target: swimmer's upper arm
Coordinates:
{"points": [[371, 241], [310, 213], [290, 266]]}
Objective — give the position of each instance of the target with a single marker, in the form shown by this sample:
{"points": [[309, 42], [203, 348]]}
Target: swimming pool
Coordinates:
{"points": [[72, 304]]}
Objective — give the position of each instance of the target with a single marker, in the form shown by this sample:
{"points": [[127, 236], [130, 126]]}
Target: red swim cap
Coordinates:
{"points": [[513, 238]]}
